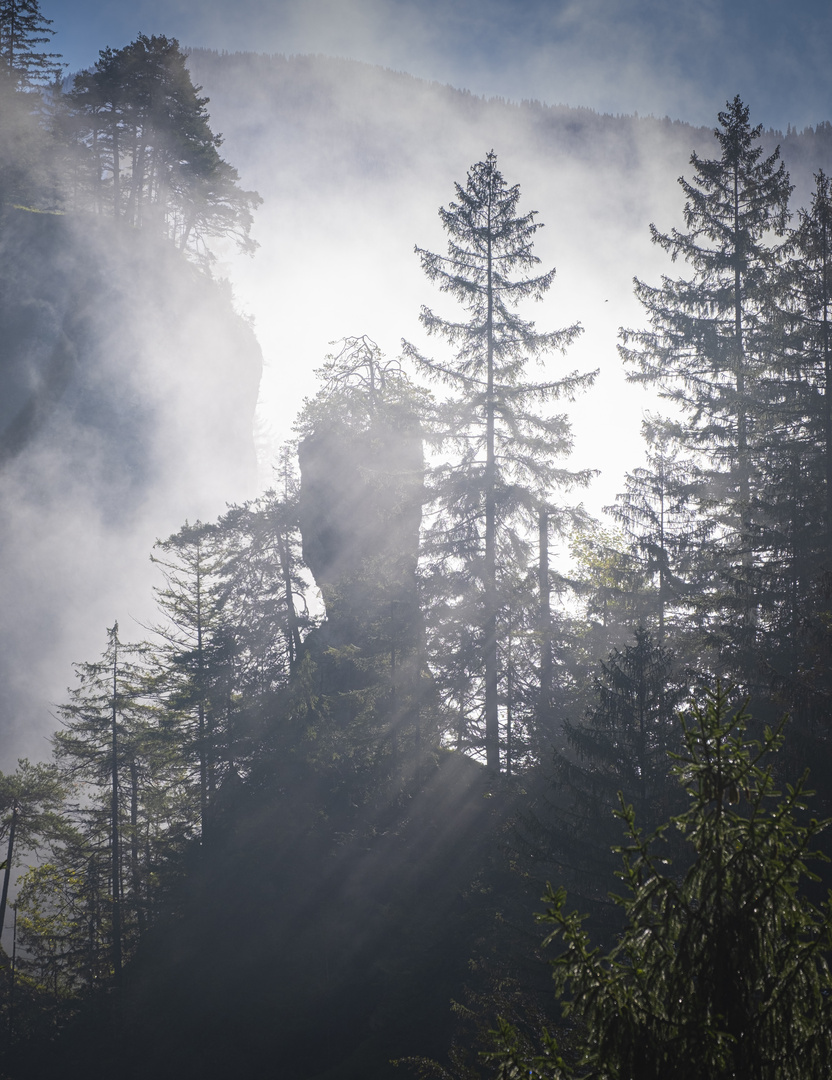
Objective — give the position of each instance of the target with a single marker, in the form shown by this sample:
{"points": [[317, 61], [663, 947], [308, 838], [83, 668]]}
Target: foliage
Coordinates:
{"points": [[23, 29], [716, 348], [120, 762], [812, 270], [655, 513], [505, 449], [358, 385], [31, 801], [27, 173], [621, 744], [722, 968], [612, 588], [148, 155]]}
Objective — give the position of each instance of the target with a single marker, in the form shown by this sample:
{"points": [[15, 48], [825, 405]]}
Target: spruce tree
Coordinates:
{"points": [[191, 658], [31, 799], [722, 970], [715, 349], [105, 735], [262, 590], [23, 30], [655, 512], [152, 158], [505, 451], [622, 744], [813, 301]]}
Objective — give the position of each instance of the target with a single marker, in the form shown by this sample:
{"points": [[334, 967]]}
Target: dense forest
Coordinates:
{"points": [[303, 821]]}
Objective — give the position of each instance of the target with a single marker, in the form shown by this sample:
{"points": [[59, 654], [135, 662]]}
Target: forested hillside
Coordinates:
{"points": [[128, 392], [298, 818]]}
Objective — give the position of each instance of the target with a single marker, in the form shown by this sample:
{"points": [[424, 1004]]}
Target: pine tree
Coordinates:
{"points": [[656, 515], [23, 29], [722, 970], [31, 799], [622, 744], [153, 159], [104, 741], [192, 659], [813, 271], [614, 592], [715, 350], [506, 452], [262, 588]]}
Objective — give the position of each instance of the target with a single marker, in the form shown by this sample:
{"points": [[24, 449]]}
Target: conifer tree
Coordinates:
{"points": [[506, 452], [103, 737], [23, 30], [715, 348], [263, 616], [192, 656], [722, 969], [656, 515], [614, 590], [153, 159], [622, 744], [31, 799], [813, 266]]}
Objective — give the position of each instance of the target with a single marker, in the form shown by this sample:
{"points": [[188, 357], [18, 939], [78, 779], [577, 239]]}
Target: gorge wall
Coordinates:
{"points": [[127, 393]]}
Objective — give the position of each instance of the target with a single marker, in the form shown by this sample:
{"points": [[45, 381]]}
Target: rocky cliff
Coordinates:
{"points": [[127, 395]]}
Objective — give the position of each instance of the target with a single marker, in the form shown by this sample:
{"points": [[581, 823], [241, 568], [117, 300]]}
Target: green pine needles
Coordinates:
{"points": [[722, 970]]}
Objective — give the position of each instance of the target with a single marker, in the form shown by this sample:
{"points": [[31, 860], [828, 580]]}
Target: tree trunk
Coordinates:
{"points": [[492, 729], [114, 839], [545, 617], [7, 873]]}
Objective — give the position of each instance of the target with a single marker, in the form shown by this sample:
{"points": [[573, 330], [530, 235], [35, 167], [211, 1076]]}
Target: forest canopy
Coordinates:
{"points": [[128, 139]]}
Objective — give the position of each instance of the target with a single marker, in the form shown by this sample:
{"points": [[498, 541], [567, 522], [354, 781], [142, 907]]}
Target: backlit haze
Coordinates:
{"points": [[351, 185], [336, 253]]}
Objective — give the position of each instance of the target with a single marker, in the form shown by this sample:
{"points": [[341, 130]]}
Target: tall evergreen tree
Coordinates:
{"points": [[813, 299], [31, 799], [715, 349], [262, 589], [103, 737], [153, 159], [656, 515], [722, 970], [614, 593], [192, 659], [622, 744], [23, 31], [506, 451]]}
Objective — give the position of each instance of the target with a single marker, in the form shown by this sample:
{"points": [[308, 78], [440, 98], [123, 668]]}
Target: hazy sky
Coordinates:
{"points": [[650, 56]]}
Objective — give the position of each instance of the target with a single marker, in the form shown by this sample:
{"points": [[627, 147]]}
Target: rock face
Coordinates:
{"points": [[362, 474], [360, 512], [127, 394], [125, 360]]}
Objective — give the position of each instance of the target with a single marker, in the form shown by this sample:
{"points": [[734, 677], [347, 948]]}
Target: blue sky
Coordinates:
{"points": [[648, 56]]}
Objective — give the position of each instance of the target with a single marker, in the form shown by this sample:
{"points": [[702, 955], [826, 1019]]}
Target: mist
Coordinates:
{"points": [[353, 161], [683, 61], [285, 834], [131, 392]]}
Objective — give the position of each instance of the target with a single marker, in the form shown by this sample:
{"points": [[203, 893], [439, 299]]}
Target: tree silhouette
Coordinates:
{"points": [[722, 968], [506, 451]]}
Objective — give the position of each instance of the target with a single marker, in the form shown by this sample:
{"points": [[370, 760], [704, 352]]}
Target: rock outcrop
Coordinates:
{"points": [[360, 513]]}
